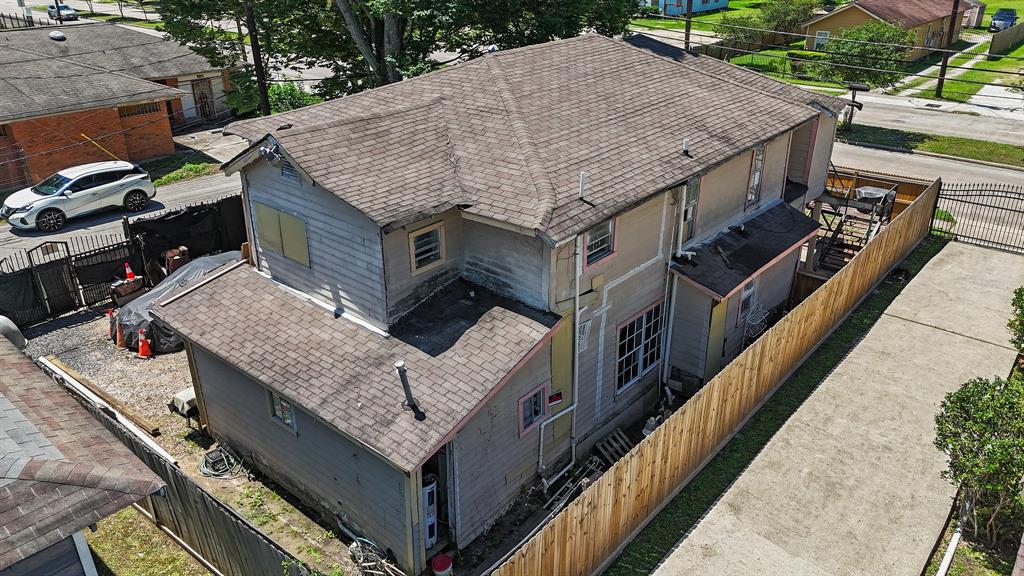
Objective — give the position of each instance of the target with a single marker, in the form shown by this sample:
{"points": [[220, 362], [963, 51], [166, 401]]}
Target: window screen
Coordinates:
{"points": [[600, 241], [426, 247]]}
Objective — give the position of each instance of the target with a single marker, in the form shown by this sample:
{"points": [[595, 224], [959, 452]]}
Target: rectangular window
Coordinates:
{"points": [[426, 248], [139, 109], [820, 39], [600, 241], [756, 175], [531, 409], [690, 209], [4, 131], [281, 410], [282, 233], [639, 347], [749, 290]]}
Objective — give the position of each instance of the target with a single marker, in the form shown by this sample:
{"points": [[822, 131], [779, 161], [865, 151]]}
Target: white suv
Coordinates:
{"points": [[76, 191]]}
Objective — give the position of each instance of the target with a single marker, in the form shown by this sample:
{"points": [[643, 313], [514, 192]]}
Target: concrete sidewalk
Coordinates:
{"points": [[850, 485]]}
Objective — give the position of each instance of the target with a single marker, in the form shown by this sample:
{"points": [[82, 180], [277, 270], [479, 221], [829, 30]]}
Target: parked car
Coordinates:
{"points": [[76, 191], [1003, 19], [66, 12]]}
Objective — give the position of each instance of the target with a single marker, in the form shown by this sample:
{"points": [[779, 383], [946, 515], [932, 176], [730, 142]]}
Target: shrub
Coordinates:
{"points": [[646, 11], [1016, 323]]}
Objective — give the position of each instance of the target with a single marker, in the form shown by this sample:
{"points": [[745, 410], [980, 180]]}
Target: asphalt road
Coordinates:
{"points": [[109, 222], [919, 166], [911, 115]]}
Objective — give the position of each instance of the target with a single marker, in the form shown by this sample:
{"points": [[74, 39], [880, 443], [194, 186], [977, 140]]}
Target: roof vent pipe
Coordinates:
{"points": [[410, 402], [686, 147], [583, 183]]}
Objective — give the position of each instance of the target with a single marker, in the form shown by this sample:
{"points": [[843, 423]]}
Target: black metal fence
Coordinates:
{"points": [[990, 215], [57, 277], [8, 21]]}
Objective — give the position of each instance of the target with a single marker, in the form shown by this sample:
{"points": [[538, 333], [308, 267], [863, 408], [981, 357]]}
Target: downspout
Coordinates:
{"points": [[670, 286], [577, 274]]}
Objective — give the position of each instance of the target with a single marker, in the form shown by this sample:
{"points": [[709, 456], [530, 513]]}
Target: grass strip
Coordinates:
{"points": [[180, 167], [1002, 70], [949, 145], [658, 539]]}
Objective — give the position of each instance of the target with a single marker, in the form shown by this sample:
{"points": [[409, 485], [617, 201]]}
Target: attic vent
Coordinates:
{"points": [[58, 36], [288, 172]]}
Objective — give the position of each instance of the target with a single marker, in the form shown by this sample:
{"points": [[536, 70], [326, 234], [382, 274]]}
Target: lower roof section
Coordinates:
{"points": [[726, 261], [458, 346]]}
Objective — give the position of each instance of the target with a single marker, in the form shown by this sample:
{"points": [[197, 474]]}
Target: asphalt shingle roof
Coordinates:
{"points": [[60, 469], [726, 260], [520, 125], [910, 13], [457, 348]]}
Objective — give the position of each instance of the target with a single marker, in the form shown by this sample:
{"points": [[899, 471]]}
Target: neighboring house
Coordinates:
{"points": [[678, 7], [504, 229], [929, 19], [61, 472], [96, 90]]}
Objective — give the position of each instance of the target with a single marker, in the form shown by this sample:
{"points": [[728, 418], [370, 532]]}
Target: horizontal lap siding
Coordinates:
{"points": [[690, 329], [494, 462], [773, 284], [508, 263], [346, 263], [822, 156], [324, 468], [404, 289], [60, 559]]}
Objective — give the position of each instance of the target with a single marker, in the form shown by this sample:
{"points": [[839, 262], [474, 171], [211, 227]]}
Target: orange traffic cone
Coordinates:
{"points": [[119, 342], [128, 274], [144, 350]]}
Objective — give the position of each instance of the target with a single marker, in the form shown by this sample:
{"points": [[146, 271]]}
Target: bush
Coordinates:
{"points": [[646, 11], [286, 96], [867, 53], [1016, 323]]}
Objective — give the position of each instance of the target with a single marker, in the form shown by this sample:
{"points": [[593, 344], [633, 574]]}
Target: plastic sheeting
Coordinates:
{"points": [[137, 314]]}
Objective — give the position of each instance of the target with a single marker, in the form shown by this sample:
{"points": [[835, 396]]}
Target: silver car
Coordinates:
{"points": [[66, 12], [77, 191]]}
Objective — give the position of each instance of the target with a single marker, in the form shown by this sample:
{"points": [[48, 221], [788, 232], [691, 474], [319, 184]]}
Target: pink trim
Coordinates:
{"points": [[543, 389], [615, 244], [771, 263], [695, 284], [479, 405], [810, 147]]}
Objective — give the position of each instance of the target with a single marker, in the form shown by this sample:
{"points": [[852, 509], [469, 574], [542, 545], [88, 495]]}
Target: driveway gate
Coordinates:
{"points": [[990, 215]]}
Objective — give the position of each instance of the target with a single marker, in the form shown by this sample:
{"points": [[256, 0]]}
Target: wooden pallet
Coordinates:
{"points": [[614, 446]]}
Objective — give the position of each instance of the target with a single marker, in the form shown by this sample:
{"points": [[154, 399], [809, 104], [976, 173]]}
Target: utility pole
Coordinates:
{"points": [[60, 17], [689, 16], [257, 58], [949, 42]]}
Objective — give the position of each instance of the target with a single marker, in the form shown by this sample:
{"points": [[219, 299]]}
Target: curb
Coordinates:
{"points": [[933, 155]]}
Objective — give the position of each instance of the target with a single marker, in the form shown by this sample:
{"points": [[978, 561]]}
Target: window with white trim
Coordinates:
{"points": [[531, 409], [747, 297], [426, 247], [756, 176], [820, 39], [600, 241], [639, 347], [281, 410], [690, 209]]}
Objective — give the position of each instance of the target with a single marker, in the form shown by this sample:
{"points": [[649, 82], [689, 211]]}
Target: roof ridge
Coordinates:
{"points": [[538, 173], [59, 472], [718, 77], [310, 128]]}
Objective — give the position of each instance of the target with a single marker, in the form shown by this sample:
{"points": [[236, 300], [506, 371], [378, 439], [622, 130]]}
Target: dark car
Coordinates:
{"points": [[1003, 19]]}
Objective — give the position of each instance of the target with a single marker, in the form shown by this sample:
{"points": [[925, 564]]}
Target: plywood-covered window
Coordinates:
{"points": [[639, 346], [282, 411], [426, 248], [282, 233]]}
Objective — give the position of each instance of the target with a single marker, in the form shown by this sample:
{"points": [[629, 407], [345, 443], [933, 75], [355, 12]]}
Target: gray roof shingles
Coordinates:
{"points": [[521, 125], [344, 373], [910, 13], [60, 470]]}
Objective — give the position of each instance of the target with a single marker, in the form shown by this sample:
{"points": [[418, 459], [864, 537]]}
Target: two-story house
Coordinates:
{"points": [[460, 282]]}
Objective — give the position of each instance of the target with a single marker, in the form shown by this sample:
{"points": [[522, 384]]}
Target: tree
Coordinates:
{"points": [[286, 96], [980, 427], [787, 15], [1016, 323], [872, 53]]}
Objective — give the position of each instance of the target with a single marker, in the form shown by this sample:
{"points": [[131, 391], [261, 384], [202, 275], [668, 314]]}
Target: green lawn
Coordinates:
{"points": [[703, 21], [644, 553], [999, 69], [950, 145], [127, 544], [184, 165], [966, 55], [776, 64], [997, 4]]}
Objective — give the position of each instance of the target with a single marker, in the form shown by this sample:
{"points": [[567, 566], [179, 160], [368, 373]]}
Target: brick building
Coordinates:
{"points": [[96, 91]]}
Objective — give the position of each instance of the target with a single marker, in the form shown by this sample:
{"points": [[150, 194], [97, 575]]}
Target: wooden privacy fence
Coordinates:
{"points": [[591, 531]]}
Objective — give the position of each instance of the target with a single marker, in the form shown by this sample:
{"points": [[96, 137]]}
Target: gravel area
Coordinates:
{"points": [[81, 342]]}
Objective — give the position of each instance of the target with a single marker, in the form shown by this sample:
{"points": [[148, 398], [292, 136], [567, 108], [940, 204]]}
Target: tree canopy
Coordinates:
{"points": [[872, 53]]}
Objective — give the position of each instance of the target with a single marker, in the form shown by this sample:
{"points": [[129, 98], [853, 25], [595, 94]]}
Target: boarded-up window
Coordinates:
{"points": [[282, 233]]}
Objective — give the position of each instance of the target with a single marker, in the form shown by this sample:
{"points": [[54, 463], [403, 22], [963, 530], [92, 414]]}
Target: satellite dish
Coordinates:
{"points": [[58, 36]]}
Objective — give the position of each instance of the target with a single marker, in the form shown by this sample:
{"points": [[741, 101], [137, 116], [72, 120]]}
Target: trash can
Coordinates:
{"points": [[441, 565]]}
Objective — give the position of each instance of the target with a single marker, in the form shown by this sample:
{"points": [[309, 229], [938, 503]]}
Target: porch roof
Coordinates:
{"points": [[727, 260]]}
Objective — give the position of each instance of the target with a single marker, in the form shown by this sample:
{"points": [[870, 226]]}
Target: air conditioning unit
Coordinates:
{"points": [[430, 510]]}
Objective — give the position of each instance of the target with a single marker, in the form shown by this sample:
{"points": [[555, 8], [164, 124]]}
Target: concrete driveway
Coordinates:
{"points": [[850, 485], [109, 222]]}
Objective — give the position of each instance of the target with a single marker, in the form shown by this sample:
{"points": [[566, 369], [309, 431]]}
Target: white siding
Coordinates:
{"points": [[690, 329], [508, 263], [346, 262]]}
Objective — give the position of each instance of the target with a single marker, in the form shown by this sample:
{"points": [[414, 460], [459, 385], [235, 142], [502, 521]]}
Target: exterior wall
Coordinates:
{"points": [[346, 266], [174, 107], [678, 7], [507, 262], [821, 157], [939, 37], [148, 135], [690, 328], [800, 153], [615, 290], [52, 143], [838, 20], [493, 460], [61, 559], [404, 289], [851, 17], [13, 173], [336, 476]]}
